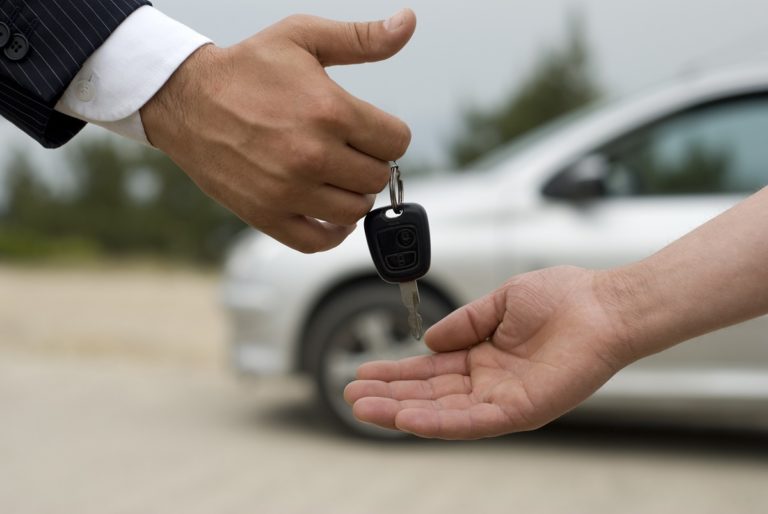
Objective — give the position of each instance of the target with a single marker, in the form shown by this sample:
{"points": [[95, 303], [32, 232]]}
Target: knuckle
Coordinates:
{"points": [[328, 110], [523, 294], [257, 220], [380, 178], [351, 212], [399, 140], [319, 242], [366, 203], [370, 201], [308, 247], [298, 28], [285, 195], [402, 139], [525, 307], [296, 21], [307, 158]]}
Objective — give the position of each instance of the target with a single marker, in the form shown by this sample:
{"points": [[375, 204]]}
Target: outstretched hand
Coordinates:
{"points": [[511, 361]]}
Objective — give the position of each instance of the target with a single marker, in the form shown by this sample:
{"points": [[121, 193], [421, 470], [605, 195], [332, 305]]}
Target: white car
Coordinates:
{"points": [[600, 188]]}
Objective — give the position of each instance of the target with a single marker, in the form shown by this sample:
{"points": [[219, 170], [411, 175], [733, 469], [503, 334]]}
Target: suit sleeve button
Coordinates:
{"points": [[5, 34], [18, 48]]}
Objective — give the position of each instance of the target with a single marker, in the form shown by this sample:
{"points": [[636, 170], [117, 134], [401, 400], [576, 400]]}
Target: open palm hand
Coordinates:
{"points": [[511, 361]]}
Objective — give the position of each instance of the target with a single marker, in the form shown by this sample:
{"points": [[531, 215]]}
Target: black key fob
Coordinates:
{"points": [[399, 243]]}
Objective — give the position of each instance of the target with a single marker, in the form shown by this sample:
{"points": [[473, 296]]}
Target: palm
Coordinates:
{"points": [[512, 361]]}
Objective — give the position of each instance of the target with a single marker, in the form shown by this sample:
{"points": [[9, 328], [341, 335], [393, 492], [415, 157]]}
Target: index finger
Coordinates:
{"points": [[377, 133], [415, 368], [308, 235]]}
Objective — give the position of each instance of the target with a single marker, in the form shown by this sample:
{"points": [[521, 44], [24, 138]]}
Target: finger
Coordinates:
{"points": [[415, 368], [354, 171], [335, 42], [379, 411], [377, 133], [458, 419], [337, 206], [467, 326], [383, 411], [308, 235], [479, 420], [430, 389]]}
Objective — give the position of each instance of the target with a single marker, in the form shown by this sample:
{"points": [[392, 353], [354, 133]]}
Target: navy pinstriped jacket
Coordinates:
{"points": [[43, 44]]}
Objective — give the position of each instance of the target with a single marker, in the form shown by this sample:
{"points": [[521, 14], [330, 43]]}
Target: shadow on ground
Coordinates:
{"points": [[606, 436]]}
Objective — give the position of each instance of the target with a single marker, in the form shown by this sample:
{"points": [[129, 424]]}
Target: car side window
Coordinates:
{"points": [[719, 147]]}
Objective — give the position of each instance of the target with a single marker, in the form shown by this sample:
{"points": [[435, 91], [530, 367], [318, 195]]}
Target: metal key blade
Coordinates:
{"points": [[409, 291]]}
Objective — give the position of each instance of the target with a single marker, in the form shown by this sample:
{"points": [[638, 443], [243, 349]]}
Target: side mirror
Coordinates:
{"points": [[583, 180]]}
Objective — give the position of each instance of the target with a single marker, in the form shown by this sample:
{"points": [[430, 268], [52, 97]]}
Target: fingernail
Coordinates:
{"points": [[395, 21]]}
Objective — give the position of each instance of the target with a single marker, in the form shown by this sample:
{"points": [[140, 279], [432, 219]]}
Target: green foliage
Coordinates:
{"points": [[560, 82], [165, 216], [24, 245]]}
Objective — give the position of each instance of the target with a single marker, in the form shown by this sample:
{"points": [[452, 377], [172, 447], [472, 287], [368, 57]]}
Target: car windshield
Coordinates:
{"points": [[529, 139]]}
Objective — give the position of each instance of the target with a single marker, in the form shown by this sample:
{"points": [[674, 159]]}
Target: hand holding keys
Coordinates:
{"points": [[398, 239]]}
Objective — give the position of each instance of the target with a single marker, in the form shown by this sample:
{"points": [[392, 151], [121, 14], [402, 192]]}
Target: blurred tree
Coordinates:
{"points": [[31, 225], [124, 203], [560, 82], [26, 195]]}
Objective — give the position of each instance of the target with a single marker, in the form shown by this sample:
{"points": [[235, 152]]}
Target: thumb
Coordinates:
{"points": [[336, 42], [467, 326]]}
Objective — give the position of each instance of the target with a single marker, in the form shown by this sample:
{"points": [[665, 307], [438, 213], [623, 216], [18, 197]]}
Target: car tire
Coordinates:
{"points": [[364, 322]]}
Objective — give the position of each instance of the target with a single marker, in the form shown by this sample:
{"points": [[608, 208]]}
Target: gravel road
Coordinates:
{"points": [[116, 398]]}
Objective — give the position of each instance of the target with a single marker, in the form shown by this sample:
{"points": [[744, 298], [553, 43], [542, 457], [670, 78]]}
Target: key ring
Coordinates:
{"points": [[395, 188]]}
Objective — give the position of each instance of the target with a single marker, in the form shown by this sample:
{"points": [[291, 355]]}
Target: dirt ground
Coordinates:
{"points": [[116, 398], [138, 313]]}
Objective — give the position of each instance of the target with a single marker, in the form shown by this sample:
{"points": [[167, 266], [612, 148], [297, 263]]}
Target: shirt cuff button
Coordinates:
{"points": [[85, 90]]}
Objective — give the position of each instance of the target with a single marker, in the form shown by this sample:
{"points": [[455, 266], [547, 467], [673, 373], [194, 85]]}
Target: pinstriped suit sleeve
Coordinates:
{"points": [[62, 34]]}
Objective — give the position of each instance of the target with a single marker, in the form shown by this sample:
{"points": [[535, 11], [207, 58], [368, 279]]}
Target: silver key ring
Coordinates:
{"points": [[395, 188]]}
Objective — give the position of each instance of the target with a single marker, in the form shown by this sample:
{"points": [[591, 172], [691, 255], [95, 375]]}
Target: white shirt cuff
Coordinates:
{"points": [[130, 67]]}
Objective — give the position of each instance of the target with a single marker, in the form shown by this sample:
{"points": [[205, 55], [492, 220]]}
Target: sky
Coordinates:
{"points": [[473, 53]]}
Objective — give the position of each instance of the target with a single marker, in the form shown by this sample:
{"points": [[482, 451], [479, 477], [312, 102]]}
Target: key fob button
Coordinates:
{"points": [[406, 237], [401, 261]]}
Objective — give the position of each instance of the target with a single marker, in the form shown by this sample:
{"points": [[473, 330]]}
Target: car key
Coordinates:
{"points": [[400, 249], [398, 239]]}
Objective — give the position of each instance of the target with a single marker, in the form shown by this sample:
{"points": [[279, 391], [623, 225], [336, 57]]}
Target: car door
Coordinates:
{"points": [[647, 188]]}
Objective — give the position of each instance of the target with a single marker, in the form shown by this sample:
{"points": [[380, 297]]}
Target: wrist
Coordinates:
{"points": [[167, 114], [626, 297]]}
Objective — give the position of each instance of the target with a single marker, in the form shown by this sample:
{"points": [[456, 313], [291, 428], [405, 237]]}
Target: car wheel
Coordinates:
{"points": [[363, 323]]}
